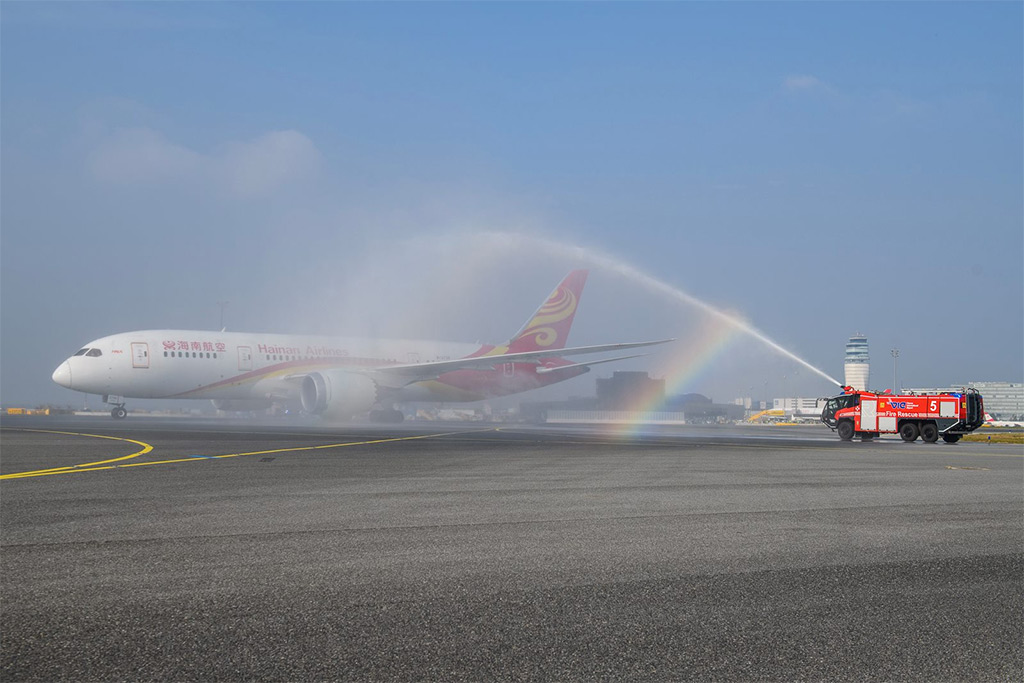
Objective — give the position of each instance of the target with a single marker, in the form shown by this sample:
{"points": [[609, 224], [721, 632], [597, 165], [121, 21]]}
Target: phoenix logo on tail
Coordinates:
{"points": [[549, 326]]}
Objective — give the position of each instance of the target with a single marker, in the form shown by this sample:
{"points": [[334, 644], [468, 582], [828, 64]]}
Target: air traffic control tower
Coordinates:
{"points": [[857, 365]]}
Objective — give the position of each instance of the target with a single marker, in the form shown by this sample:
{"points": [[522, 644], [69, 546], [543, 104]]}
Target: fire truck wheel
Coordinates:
{"points": [[908, 432], [951, 438], [929, 432], [845, 430]]}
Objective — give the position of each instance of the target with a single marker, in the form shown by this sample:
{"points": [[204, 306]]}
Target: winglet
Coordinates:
{"points": [[548, 328]]}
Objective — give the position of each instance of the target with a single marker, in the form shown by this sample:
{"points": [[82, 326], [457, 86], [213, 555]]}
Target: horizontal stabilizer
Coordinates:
{"points": [[544, 371]]}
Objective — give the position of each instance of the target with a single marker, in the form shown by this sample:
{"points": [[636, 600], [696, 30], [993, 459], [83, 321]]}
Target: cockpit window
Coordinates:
{"points": [[93, 353], [81, 352]]}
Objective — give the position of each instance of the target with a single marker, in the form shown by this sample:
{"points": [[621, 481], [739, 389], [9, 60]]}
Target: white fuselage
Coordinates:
{"points": [[232, 365]]}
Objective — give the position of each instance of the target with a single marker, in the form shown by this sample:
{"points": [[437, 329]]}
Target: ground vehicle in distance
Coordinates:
{"points": [[867, 414]]}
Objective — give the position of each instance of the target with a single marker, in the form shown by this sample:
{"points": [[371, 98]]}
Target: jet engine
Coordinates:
{"points": [[337, 394]]}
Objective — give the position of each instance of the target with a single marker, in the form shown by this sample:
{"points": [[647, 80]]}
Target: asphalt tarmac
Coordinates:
{"points": [[206, 550]]}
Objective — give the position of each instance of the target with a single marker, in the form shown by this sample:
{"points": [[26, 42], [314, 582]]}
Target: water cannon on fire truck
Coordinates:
{"points": [[867, 414]]}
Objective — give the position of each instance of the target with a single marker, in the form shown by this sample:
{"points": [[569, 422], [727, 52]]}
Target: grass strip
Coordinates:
{"points": [[1001, 437]]}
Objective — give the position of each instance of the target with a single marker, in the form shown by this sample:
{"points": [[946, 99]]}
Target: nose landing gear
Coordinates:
{"points": [[118, 412]]}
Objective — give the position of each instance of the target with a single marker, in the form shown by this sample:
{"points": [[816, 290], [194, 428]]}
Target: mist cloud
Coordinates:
{"points": [[802, 82], [143, 156]]}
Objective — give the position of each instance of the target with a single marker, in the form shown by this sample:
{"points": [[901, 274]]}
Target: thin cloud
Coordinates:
{"points": [[881, 105], [802, 82], [142, 156], [96, 16], [268, 162]]}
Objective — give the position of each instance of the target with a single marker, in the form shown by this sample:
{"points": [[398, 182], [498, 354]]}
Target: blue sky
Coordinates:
{"points": [[820, 168]]}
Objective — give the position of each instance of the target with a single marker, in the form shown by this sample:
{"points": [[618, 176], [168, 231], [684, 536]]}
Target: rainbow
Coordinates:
{"points": [[689, 364]]}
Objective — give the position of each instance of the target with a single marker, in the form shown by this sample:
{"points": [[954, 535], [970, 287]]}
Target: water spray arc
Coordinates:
{"points": [[657, 286]]}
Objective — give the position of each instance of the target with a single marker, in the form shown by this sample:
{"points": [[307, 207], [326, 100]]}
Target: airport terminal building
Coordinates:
{"points": [[1003, 400]]}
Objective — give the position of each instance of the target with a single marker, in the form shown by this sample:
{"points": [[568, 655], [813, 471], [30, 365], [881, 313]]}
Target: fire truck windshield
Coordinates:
{"points": [[833, 405]]}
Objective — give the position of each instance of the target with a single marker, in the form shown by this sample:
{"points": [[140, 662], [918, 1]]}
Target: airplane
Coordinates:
{"points": [[336, 378], [991, 422]]}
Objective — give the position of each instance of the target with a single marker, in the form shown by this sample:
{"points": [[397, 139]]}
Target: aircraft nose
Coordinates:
{"points": [[62, 375]]}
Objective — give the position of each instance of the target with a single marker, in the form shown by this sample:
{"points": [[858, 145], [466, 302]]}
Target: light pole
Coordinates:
{"points": [[895, 354]]}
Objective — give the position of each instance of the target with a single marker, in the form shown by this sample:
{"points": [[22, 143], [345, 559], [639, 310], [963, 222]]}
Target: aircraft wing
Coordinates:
{"points": [[586, 364], [398, 375]]}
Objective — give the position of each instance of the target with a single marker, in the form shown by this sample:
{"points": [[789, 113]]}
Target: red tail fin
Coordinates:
{"points": [[548, 328]]}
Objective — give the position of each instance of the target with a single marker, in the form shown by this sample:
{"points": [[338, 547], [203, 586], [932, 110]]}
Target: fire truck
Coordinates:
{"points": [[866, 414]]}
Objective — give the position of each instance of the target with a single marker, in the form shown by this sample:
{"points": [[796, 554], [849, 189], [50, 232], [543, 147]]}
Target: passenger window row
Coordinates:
{"points": [[185, 354]]}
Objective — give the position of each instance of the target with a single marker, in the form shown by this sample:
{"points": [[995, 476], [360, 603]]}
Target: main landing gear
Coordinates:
{"points": [[387, 416], [119, 413]]}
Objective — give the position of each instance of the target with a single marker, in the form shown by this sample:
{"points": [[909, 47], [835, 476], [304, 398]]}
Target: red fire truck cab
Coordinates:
{"points": [[866, 414]]}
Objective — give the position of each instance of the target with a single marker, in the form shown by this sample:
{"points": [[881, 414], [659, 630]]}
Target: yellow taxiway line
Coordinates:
{"points": [[146, 448], [103, 464]]}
